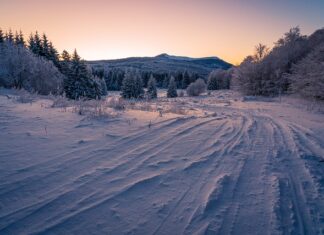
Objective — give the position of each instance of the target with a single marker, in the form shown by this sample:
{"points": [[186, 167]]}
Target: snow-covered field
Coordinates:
{"points": [[210, 165]]}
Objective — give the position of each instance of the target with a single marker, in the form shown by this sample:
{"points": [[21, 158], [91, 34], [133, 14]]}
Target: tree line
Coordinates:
{"points": [[37, 66], [294, 65]]}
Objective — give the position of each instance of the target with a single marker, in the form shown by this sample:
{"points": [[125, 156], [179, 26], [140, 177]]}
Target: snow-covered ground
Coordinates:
{"points": [[210, 165]]}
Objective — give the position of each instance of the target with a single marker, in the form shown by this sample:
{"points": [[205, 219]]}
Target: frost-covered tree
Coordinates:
{"points": [[172, 88], [307, 76], [151, 88], [263, 73], [20, 68], [196, 88]]}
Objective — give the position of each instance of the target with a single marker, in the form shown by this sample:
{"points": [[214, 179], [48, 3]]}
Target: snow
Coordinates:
{"points": [[227, 165]]}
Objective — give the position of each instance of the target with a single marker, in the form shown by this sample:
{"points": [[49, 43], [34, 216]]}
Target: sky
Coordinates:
{"points": [[107, 29]]}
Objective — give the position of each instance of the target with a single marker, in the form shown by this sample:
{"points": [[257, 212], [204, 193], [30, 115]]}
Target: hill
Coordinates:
{"points": [[165, 63]]}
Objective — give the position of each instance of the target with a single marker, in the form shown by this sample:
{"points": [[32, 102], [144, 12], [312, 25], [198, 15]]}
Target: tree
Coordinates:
{"points": [[151, 88], [20, 68], [172, 89], [80, 82], [53, 55], [219, 79], [132, 86], [261, 51], [196, 88], [186, 80], [21, 39], [1, 36], [307, 76], [37, 45], [44, 49], [10, 37], [139, 91]]}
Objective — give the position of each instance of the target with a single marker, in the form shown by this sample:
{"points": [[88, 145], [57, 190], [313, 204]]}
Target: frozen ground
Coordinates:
{"points": [[211, 165]]}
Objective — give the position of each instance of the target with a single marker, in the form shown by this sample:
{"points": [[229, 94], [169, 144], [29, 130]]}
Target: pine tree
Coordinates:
{"points": [[151, 88], [172, 89]]}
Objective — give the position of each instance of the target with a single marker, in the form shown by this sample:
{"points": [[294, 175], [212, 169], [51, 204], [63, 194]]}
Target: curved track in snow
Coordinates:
{"points": [[241, 172]]}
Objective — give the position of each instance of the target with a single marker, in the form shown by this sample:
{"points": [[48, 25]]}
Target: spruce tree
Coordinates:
{"points": [[1, 36], [172, 89], [10, 36], [139, 90], [128, 87], [21, 39], [44, 50], [16, 38], [80, 83], [37, 49], [53, 55], [151, 88], [31, 43], [186, 80]]}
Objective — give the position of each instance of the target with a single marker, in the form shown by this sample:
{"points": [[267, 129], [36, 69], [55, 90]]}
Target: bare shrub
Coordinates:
{"points": [[117, 103], [196, 88], [181, 93]]}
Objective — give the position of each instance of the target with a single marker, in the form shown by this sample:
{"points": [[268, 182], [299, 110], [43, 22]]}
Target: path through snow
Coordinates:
{"points": [[254, 168]]}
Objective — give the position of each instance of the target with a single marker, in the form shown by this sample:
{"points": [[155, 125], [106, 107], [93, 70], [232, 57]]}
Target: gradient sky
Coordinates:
{"points": [[110, 29]]}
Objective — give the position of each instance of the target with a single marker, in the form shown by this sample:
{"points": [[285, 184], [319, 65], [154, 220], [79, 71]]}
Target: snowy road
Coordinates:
{"points": [[253, 169]]}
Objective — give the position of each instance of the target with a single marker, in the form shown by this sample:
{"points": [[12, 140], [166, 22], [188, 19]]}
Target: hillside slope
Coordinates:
{"points": [[165, 63]]}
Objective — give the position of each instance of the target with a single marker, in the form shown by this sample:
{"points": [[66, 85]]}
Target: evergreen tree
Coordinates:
{"points": [[151, 88], [1, 36], [31, 43], [139, 90], [37, 48], [53, 55], [44, 49], [186, 80], [128, 86], [21, 39], [10, 36], [132, 86], [172, 89], [165, 83], [80, 83], [16, 38]]}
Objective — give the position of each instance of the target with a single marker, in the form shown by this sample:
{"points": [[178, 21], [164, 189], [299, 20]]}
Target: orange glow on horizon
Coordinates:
{"points": [[109, 29]]}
